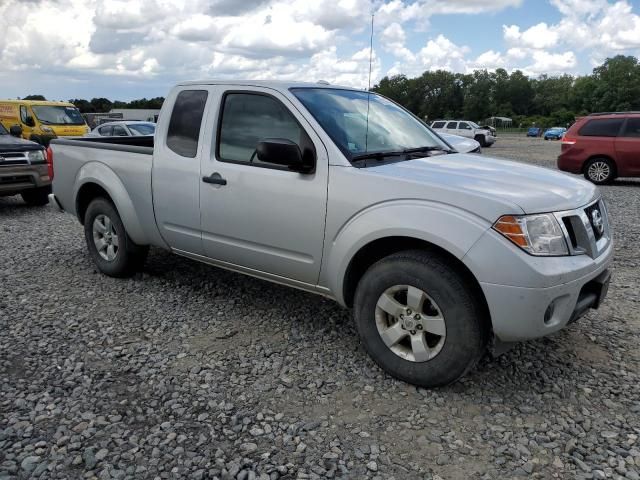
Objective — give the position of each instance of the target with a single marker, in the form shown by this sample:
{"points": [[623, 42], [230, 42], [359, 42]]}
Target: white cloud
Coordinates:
{"points": [[539, 36], [156, 42]]}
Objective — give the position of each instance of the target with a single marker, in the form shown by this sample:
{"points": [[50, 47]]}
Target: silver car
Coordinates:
{"points": [[124, 129]]}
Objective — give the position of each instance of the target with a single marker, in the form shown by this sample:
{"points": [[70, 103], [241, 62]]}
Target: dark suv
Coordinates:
{"points": [[25, 168], [603, 146]]}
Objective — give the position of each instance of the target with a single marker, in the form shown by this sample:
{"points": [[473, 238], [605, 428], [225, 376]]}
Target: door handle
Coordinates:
{"points": [[215, 178]]}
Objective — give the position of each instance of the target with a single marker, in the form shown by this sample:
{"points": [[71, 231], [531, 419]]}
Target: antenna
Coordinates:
{"points": [[371, 51], [366, 135]]}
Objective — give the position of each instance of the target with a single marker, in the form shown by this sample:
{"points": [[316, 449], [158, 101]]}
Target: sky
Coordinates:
{"points": [[128, 49]]}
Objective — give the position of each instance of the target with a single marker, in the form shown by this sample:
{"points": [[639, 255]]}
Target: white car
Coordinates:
{"points": [[461, 144], [124, 129], [465, 128]]}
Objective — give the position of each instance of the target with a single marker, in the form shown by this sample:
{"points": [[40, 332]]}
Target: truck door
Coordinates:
{"points": [[628, 147], [257, 216], [465, 130], [176, 175]]}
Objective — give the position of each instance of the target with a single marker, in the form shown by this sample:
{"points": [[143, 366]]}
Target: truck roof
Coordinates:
{"points": [[276, 84]]}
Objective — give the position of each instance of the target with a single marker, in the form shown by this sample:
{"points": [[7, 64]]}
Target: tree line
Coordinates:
{"points": [[544, 101]]}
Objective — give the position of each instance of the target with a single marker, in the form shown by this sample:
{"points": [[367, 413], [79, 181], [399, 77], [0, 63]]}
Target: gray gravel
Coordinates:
{"points": [[193, 372]]}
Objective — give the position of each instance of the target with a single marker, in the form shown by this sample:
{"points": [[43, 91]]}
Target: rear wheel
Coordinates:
{"points": [[419, 319], [600, 170], [113, 252], [36, 197]]}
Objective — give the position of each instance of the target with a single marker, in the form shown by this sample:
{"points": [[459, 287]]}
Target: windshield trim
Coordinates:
{"points": [[348, 154]]}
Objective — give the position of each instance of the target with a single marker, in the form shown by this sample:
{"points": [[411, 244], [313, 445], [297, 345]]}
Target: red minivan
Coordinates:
{"points": [[603, 146]]}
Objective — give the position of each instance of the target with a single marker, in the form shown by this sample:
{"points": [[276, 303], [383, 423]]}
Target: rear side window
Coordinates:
{"points": [[119, 131], [438, 125], [633, 128], [106, 131], [247, 119], [186, 119], [606, 127], [452, 125]]}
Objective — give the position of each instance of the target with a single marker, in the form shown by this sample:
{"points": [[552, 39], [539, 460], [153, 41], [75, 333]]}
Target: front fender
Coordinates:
{"points": [[450, 228], [100, 174]]}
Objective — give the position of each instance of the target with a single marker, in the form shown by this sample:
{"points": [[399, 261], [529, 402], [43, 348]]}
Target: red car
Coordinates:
{"points": [[603, 146]]}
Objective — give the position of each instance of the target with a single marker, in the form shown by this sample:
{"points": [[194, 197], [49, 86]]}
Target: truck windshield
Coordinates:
{"points": [[58, 115], [362, 123]]}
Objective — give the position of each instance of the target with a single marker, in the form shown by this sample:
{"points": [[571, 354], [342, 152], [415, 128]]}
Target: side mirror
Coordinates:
{"points": [[15, 130], [30, 122], [281, 151]]}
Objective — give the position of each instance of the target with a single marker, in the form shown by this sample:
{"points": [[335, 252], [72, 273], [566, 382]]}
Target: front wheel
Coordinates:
{"points": [[481, 140], [419, 319], [36, 197], [113, 252]]}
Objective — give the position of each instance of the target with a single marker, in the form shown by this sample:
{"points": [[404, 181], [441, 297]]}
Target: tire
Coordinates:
{"points": [[481, 140], [120, 257], [36, 197], [600, 170], [444, 292]]}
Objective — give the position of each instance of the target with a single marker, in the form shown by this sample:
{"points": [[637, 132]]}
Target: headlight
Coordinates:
{"points": [[36, 156], [536, 234], [46, 129]]}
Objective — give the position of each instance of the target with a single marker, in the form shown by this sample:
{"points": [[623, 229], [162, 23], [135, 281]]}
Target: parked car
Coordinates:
{"points": [[124, 129], [461, 144], [534, 132], [24, 168], [438, 254], [603, 146], [42, 120], [465, 128], [555, 133]]}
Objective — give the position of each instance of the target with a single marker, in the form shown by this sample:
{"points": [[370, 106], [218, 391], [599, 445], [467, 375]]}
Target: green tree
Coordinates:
{"points": [[34, 97]]}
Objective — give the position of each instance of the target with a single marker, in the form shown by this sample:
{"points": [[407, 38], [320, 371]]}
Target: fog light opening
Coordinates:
{"points": [[548, 314]]}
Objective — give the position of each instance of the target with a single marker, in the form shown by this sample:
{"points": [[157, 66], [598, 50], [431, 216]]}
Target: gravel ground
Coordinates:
{"points": [[193, 372]]}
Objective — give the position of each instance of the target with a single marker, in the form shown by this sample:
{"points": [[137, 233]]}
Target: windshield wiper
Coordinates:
{"points": [[399, 153]]}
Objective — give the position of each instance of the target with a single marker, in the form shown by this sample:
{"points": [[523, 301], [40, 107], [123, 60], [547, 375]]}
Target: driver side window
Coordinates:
{"points": [[464, 126], [247, 119]]}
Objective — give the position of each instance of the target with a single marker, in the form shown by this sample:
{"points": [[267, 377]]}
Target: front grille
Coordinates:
{"points": [[587, 229], [9, 159]]}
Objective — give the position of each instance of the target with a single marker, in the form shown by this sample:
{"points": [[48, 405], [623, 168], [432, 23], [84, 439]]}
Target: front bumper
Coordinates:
{"points": [[519, 313], [530, 297], [18, 178]]}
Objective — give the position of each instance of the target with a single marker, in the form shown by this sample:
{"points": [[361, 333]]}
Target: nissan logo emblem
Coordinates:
{"points": [[597, 222]]}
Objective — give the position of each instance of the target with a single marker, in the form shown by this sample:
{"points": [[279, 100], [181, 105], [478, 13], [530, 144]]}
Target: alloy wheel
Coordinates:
{"points": [[410, 323], [105, 237]]}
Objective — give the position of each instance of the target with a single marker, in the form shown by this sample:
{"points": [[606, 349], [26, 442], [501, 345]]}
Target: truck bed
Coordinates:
{"points": [[121, 164]]}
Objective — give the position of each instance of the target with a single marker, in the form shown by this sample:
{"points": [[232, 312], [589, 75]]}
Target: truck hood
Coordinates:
{"points": [[9, 143], [533, 189]]}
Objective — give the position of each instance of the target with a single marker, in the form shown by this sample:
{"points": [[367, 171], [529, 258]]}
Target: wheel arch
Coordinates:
{"points": [[380, 248], [98, 181]]}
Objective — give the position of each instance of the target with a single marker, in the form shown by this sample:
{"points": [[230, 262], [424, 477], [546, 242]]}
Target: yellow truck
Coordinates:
{"points": [[41, 120]]}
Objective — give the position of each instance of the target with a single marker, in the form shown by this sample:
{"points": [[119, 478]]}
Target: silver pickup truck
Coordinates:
{"points": [[343, 193]]}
